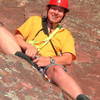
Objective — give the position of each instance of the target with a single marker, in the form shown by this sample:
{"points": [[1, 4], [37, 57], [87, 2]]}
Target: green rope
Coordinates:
{"points": [[32, 42]]}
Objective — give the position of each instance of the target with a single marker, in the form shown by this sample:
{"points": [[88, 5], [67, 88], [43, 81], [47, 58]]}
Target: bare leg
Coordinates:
{"points": [[8, 44], [64, 81]]}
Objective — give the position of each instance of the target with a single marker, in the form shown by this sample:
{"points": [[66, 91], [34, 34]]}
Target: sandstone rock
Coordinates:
{"points": [[83, 21], [19, 81]]}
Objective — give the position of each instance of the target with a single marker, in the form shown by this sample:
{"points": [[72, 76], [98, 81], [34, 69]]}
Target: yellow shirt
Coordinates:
{"points": [[62, 40]]}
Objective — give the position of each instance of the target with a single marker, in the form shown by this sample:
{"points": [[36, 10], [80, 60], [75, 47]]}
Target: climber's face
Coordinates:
{"points": [[55, 14]]}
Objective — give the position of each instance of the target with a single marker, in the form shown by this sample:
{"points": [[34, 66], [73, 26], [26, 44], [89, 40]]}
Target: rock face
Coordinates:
{"points": [[19, 81], [83, 21]]}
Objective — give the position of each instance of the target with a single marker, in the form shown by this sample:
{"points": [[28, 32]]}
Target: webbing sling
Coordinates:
{"points": [[44, 42]]}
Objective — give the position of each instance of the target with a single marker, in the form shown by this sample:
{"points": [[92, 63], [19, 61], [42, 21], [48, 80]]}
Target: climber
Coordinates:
{"points": [[48, 45]]}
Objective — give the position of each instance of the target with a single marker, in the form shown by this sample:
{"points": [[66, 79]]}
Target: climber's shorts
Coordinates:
{"points": [[43, 70]]}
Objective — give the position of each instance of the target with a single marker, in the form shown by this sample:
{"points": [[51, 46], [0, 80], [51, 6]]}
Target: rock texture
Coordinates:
{"points": [[83, 21], [19, 81]]}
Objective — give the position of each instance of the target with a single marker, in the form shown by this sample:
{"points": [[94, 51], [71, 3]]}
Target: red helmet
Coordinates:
{"points": [[61, 3]]}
